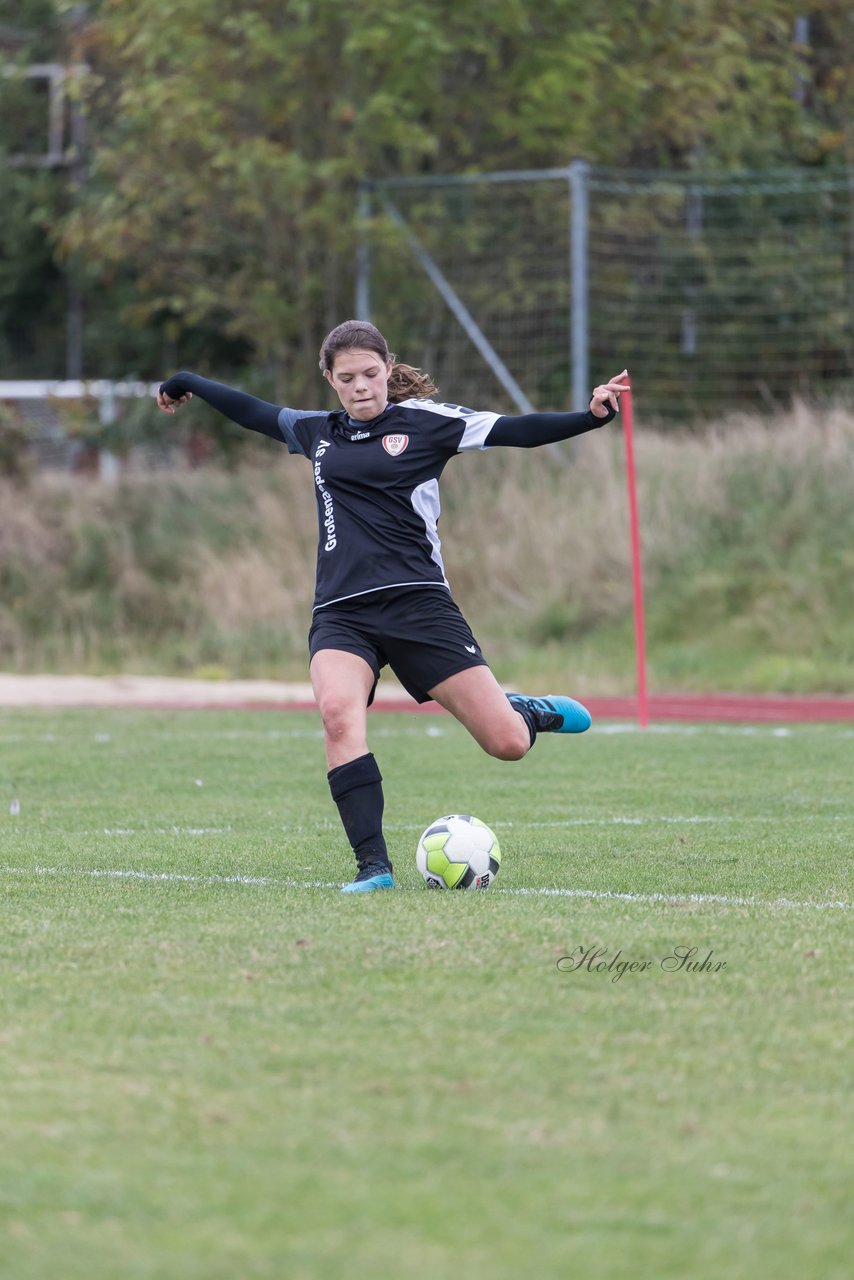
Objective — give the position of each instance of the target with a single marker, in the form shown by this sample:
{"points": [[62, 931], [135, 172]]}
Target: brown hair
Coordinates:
{"points": [[404, 382]]}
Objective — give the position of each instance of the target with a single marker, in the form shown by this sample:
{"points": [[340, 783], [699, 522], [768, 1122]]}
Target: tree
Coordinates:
{"points": [[228, 143], [32, 290]]}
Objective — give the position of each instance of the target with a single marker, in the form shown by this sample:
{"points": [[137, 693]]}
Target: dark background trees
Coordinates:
{"points": [[211, 220]]}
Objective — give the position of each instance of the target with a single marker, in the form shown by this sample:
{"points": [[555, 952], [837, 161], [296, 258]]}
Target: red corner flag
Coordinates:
{"points": [[637, 576]]}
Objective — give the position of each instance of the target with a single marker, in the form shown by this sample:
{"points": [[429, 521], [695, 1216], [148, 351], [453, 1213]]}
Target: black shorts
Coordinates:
{"points": [[419, 632]]}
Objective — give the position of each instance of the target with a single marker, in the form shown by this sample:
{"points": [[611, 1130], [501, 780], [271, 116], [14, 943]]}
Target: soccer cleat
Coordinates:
{"points": [[553, 714], [376, 876]]}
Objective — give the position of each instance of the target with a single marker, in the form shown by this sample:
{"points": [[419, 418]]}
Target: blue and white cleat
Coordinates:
{"points": [[377, 876], [554, 713]]}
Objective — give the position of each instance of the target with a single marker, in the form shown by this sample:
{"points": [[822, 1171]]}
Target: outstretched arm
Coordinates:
{"points": [[245, 410], [532, 429]]}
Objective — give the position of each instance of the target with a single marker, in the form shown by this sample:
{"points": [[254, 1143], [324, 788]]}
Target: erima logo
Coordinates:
{"points": [[360, 435], [472, 648], [395, 444]]}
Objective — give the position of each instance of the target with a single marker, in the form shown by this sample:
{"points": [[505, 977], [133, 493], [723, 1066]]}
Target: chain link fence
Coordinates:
{"points": [[717, 291], [523, 289]]}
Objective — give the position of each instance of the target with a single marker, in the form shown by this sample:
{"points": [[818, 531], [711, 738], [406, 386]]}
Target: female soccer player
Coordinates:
{"points": [[381, 595]]}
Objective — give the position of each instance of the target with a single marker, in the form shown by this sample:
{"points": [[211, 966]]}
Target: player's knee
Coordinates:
{"points": [[338, 717], [509, 743]]}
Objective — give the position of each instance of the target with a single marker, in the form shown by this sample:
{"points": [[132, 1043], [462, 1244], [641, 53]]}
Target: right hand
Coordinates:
{"points": [[168, 404]]}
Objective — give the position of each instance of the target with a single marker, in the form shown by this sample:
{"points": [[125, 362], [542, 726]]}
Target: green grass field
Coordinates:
{"points": [[215, 1066]]}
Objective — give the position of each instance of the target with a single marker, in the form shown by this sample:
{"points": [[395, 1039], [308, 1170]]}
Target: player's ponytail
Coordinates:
{"points": [[404, 383]]}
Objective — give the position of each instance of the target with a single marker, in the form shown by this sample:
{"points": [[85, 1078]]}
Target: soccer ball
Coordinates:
{"points": [[458, 852]]}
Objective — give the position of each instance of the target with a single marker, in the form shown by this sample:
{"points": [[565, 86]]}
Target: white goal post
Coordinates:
{"points": [[34, 404], [100, 389]]}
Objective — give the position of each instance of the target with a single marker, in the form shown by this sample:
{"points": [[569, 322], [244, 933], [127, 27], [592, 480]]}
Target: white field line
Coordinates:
{"points": [[156, 831], [726, 730], [827, 730], [692, 819], [264, 882], [673, 819]]}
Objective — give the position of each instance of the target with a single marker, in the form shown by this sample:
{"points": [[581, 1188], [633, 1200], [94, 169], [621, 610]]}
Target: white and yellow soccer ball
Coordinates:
{"points": [[458, 852]]}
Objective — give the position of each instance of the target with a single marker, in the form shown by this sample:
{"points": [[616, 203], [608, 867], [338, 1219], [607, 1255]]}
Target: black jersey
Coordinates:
{"points": [[377, 490]]}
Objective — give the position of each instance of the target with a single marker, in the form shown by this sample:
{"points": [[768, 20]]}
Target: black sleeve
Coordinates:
{"points": [[532, 429], [245, 410]]}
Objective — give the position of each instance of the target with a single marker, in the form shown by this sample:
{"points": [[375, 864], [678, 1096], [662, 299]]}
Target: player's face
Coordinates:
{"points": [[361, 380]]}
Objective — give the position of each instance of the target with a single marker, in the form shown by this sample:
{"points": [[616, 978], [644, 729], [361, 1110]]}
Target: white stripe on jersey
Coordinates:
{"points": [[477, 427], [425, 502]]}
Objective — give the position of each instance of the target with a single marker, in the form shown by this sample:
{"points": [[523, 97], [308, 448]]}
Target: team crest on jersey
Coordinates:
{"points": [[395, 444]]}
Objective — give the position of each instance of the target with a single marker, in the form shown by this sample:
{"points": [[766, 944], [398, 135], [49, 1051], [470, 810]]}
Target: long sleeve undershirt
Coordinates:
{"points": [[526, 431], [532, 429], [239, 406]]}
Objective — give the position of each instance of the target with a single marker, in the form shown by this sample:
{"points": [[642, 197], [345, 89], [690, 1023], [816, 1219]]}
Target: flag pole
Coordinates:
{"points": [[637, 574]]}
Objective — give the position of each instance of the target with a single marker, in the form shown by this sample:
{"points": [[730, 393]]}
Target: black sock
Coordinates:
{"points": [[357, 790], [527, 715]]}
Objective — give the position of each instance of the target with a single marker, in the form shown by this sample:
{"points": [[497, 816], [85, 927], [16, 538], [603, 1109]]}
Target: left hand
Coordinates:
{"points": [[608, 393]]}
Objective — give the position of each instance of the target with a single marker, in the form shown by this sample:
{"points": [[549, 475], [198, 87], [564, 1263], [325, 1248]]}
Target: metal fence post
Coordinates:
{"points": [[579, 320], [108, 463], [363, 256]]}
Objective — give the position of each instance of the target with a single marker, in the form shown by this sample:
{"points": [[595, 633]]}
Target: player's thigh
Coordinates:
{"points": [[342, 684], [477, 700]]}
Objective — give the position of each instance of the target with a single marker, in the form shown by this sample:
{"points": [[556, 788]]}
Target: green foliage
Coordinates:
{"points": [[32, 288], [33, 201], [235, 204], [225, 146], [15, 464]]}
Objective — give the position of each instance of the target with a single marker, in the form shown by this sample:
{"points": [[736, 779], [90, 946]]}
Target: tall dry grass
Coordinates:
{"points": [[747, 530]]}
